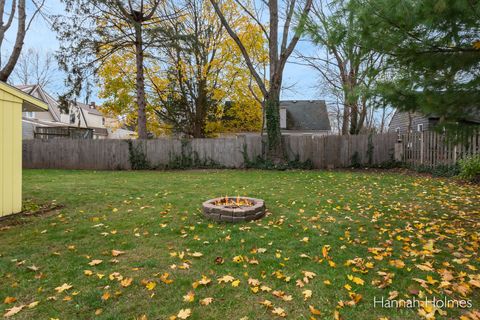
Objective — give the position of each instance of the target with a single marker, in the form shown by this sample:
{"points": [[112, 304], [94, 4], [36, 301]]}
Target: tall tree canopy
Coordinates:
{"points": [[117, 88], [347, 67], [93, 30], [36, 67], [189, 80], [433, 48], [16, 9]]}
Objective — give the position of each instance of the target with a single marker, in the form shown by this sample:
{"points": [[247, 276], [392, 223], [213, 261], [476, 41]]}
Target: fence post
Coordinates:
{"points": [[422, 144], [398, 151]]}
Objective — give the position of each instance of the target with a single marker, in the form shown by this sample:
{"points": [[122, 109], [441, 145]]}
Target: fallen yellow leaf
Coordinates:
{"points": [[184, 313], [151, 285], [307, 294], [279, 312], [206, 301], [126, 282], [225, 279], [95, 262], [197, 254], [106, 296], [116, 253], [314, 311], [9, 300], [63, 287], [189, 297], [13, 311]]}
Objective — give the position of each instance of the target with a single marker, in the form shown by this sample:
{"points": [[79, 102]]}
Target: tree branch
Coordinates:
{"points": [[242, 48]]}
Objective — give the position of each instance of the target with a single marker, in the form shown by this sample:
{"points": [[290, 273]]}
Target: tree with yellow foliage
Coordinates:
{"points": [[117, 87], [196, 70], [92, 32]]}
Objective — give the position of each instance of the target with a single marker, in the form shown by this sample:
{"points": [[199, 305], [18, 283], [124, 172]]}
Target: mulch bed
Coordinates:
{"points": [[48, 209]]}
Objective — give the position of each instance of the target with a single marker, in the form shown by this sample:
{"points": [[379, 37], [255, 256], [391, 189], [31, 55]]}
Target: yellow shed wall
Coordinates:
{"points": [[10, 153]]}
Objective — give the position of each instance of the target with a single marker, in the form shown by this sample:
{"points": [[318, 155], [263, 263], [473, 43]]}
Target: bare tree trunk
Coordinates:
{"points": [[275, 151], [354, 118], [271, 96], [17, 48], [410, 120], [382, 124], [140, 83], [363, 114], [201, 110], [345, 119]]}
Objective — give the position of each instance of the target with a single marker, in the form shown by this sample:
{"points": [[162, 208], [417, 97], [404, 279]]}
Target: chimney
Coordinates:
{"points": [[92, 105]]}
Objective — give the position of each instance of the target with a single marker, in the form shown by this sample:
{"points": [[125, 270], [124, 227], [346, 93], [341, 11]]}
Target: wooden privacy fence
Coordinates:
{"points": [[323, 151], [433, 149]]}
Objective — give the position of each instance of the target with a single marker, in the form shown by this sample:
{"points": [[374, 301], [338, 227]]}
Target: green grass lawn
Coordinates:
{"points": [[343, 237]]}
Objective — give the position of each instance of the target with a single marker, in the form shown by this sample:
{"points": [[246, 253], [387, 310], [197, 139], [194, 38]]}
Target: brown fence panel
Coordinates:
{"points": [[324, 151]]}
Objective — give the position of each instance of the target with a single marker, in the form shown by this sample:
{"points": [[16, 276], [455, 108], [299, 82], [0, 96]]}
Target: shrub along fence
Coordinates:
{"points": [[232, 152]]}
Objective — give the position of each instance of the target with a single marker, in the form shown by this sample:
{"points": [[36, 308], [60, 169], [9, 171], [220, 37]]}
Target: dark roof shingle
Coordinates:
{"points": [[310, 115]]}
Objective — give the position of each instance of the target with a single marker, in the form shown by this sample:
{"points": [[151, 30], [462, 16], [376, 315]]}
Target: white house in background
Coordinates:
{"points": [[79, 115]]}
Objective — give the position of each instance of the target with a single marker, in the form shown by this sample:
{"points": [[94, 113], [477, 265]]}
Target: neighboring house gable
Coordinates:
{"points": [[86, 116], [79, 115], [53, 113], [403, 122]]}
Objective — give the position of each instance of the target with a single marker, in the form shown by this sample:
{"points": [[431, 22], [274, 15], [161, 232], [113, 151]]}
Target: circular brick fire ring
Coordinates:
{"points": [[214, 209]]}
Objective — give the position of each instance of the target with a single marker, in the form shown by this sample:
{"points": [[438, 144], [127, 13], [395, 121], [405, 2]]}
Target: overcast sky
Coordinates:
{"points": [[301, 81]]}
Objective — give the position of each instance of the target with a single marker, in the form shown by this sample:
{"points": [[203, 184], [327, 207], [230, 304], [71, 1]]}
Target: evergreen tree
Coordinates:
{"points": [[433, 51]]}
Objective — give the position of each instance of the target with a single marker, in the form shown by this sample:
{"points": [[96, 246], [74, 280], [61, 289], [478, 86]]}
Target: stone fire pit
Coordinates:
{"points": [[234, 209]]}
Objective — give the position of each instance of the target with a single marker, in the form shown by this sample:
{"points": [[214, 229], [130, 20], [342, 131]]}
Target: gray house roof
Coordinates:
{"points": [[88, 108], [306, 115]]}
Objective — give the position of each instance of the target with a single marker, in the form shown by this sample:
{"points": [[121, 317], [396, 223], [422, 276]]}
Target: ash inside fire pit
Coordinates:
{"points": [[234, 209]]}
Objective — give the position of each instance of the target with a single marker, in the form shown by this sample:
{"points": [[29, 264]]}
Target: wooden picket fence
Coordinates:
{"points": [[433, 148]]}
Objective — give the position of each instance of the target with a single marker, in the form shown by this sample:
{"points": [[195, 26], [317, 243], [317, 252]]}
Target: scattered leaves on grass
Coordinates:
{"points": [[380, 244]]}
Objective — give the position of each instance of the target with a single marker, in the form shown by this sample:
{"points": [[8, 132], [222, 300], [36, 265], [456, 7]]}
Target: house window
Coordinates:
{"points": [[30, 115], [72, 118], [397, 130], [420, 127], [103, 121]]}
